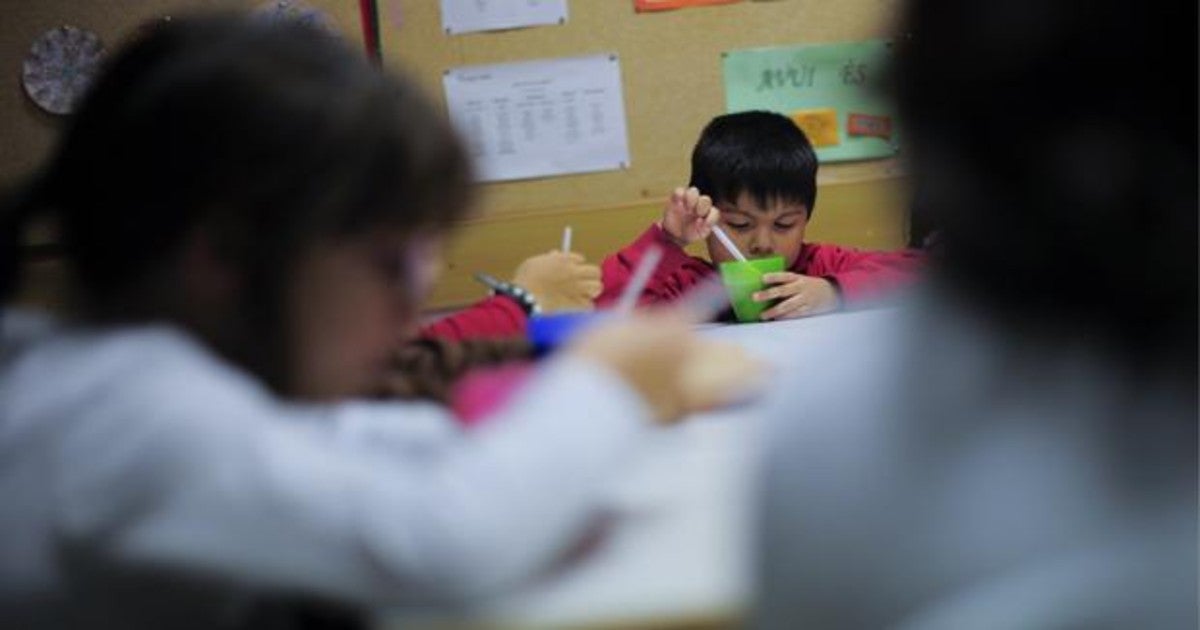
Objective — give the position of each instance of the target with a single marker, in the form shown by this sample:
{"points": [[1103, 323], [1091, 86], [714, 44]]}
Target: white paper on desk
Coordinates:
{"points": [[467, 16], [540, 118]]}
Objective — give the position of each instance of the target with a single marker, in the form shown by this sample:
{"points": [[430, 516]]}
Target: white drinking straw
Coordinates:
{"points": [[641, 276], [728, 243], [566, 242]]}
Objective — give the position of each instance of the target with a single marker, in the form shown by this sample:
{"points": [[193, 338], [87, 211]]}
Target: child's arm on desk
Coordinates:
{"points": [[558, 281], [837, 277], [863, 277], [495, 317]]}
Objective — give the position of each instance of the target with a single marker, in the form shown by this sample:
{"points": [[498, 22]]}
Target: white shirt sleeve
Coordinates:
{"points": [[373, 512], [410, 429]]}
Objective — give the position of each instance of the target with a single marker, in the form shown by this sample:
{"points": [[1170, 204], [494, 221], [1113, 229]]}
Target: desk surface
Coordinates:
{"points": [[676, 545]]}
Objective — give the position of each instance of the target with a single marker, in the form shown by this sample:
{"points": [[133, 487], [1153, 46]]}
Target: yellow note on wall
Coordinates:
{"points": [[820, 125]]}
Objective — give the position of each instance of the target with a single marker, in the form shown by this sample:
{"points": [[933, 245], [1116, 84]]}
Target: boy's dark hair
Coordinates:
{"points": [[763, 154], [269, 136]]}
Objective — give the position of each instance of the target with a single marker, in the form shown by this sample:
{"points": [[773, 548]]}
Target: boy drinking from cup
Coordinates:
{"points": [[754, 174]]}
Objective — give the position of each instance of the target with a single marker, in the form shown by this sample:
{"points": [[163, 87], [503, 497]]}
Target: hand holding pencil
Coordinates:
{"points": [[559, 281]]}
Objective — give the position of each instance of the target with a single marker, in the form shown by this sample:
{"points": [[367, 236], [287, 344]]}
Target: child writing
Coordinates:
{"points": [[248, 211], [755, 174], [551, 282]]}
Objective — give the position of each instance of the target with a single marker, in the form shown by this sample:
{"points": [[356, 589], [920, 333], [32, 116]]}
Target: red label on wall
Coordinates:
{"points": [[871, 126]]}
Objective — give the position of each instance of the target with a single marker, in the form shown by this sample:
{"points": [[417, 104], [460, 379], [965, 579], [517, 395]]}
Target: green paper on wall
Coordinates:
{"points": [[806, 82]]}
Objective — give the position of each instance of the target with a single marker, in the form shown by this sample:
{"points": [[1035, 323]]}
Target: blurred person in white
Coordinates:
{"points": [[1018, 448], [248, 211]]}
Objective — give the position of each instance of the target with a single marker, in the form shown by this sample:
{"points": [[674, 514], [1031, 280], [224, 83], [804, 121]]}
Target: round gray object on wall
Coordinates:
{"points": [[60, 66]]}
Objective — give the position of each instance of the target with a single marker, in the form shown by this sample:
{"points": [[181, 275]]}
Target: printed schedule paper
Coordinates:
{"points": [[540, 118], [468, 16]]}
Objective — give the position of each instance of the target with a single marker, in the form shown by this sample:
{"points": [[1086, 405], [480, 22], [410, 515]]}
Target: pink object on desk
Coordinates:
{"points": [[481, 393]]}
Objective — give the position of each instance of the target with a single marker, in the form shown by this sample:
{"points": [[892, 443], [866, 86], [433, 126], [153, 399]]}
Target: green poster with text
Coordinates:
{"points": [[833, 91]]}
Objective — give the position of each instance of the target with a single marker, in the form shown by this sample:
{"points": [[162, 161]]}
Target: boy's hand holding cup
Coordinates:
{"points": [[689, 216], [798, 295]]}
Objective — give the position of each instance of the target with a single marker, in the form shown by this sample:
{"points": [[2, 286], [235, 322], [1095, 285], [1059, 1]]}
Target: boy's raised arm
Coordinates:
{"points": [[688, 216]]}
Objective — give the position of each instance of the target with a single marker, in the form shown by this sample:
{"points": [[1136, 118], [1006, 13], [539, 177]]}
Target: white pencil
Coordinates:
{"points": [[728, 243], [566, 242], [641, 276]]}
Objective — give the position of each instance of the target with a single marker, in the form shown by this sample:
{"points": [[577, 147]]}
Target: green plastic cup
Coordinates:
{"points": [[742, 280]]}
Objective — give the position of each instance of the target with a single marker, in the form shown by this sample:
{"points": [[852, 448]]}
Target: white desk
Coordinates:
{"points": [[678, 544]]}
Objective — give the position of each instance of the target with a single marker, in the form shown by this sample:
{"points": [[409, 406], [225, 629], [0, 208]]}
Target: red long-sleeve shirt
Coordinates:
{"points": [[492, 318], [861, 277]]}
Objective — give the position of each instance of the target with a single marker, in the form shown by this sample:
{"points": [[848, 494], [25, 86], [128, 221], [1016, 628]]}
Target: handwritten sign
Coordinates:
{"points": [[830, 90]]}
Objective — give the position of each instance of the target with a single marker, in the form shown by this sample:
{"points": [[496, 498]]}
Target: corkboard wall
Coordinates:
{"points": [[671, 74], [27, 133]]}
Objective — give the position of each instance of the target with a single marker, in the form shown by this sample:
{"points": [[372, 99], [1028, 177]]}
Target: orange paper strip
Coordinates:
{"points": [[820, 125]]}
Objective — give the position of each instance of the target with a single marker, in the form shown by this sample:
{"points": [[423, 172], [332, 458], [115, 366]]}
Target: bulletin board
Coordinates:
{"points": [[672, 74], [672, 79], [670, 65]]}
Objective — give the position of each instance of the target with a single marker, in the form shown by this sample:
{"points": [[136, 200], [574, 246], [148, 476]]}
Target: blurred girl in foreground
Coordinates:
{"points": [[249, 211]]}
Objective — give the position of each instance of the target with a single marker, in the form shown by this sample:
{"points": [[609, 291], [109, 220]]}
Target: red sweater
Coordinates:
{"points": [[860, 276], [492, 318]]}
